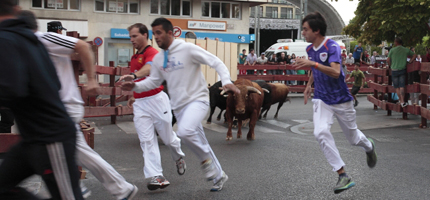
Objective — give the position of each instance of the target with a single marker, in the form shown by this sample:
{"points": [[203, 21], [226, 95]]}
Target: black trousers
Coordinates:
{"points": [[6, 121], [55, 162]]}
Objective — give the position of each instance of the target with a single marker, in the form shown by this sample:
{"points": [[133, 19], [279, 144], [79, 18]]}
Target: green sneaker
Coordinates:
{"points": [[371, 156], [343, 183]]}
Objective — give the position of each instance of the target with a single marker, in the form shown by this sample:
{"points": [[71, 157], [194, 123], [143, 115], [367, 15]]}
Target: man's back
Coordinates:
{"points": [[398, 56], [29, 86]]}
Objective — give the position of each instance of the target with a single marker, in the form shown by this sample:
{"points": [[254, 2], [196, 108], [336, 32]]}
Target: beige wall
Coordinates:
{"points": [[100, 23]]}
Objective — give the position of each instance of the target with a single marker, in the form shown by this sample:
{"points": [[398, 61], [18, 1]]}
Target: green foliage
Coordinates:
{"points": [[375, 48], [352, 46], [380, 20]]}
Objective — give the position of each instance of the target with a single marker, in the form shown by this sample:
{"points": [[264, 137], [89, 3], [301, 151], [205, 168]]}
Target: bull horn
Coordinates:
{"points": [[253, 89], [265, 90], [223, 92]]}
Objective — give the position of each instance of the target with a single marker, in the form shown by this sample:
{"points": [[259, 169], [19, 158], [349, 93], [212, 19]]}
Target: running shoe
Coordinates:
{"points": [[158, 182], [343, 184], [404, 104], [85, 191], [181, 166], [218, 185], [132, 193], [371, 156]]}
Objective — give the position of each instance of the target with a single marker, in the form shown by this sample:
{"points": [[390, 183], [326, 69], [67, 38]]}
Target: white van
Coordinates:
{"points": [[290, 47]]}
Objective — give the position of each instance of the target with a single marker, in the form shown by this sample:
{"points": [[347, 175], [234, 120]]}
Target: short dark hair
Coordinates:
{"points": [[7, 7], [317, 22], [399, 40], [30, 18], [251, 50], [243, 49], [357, 63], [167, 25], [142, 29]]}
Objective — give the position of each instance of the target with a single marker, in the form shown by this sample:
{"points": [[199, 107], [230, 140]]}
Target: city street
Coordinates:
{"points": [[284, 161]]}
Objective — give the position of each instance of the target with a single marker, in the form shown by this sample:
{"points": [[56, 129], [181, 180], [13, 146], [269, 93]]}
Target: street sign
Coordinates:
{"points": [[98, 41], [177, 31]]}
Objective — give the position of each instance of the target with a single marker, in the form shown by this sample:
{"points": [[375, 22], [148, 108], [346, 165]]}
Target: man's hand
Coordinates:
{"points": [[128, 86], [231, 87], [307, 93], [361, 87], [92, 87], [128, 77], [130, 102], [303, 63]]}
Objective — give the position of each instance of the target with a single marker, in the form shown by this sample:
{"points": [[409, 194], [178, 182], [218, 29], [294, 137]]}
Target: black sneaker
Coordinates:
{"points": [[371, 156], [404, 104], [355, 103], [343, 184]]}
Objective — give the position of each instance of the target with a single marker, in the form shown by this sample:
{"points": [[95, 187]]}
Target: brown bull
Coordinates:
{"points": [[243, 106], [279, 94]]}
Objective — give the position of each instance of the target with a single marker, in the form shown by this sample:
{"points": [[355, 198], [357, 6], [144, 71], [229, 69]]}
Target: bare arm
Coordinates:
{"points": [[332, 71], [308, 90], [87, 61]]}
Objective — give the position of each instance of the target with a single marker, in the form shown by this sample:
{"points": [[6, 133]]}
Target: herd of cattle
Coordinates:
{"points": [[255, 98]]}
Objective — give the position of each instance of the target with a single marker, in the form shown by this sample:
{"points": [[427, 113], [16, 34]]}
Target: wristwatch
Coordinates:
{"points": [[133, 75]]}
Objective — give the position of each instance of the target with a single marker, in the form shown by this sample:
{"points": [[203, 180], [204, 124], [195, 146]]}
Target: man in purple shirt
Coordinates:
{"points": [[331, 97]]}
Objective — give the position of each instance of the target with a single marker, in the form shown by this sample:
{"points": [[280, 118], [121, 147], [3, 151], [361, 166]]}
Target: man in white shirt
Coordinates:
{"points": [[261, 61], [179, 64], [60, 48], [349, 60]]}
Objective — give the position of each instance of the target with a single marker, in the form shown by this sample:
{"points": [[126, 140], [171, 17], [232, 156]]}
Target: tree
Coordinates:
{"points": [[380, 20]]}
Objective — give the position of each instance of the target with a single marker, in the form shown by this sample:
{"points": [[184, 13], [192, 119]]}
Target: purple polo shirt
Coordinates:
{"points": [[329, 90]]}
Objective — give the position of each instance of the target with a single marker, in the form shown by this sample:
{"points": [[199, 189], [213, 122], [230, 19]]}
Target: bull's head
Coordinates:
{"points": [[240, 99]]}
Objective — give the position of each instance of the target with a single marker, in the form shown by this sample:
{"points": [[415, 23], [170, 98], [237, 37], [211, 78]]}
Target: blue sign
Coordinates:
{"points": [[120, 33], [223, 37]]}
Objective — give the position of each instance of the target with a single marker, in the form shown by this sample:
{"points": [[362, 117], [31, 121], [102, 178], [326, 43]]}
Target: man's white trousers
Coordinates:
{"points": [[190, 130], [91, 160], [155, 114], [323, 119]]}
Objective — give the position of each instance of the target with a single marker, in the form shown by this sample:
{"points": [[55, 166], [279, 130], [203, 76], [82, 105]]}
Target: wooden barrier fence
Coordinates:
{"points": [[382, 84], [291, 77]]}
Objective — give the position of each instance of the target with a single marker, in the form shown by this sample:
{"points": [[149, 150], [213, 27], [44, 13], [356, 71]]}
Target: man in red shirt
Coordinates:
{"points": [[152, 112]]}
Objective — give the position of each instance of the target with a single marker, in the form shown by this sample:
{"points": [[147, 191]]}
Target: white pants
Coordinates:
{"points": [[91, 160], [150, 114], [190, 130], [323, 119]]}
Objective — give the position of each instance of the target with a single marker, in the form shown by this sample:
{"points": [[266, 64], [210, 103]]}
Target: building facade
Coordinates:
{"points": [[107, 20]]}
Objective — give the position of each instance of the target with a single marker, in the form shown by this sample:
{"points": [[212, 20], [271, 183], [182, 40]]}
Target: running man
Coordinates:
{"points": [[29, 87], [179, 64], [60, 48], [359, 81], [331, 97], [152, 112]]}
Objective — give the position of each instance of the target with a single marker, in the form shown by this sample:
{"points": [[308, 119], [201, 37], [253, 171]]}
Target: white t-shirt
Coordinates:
{"points": [[60, 47], [261, 61]]}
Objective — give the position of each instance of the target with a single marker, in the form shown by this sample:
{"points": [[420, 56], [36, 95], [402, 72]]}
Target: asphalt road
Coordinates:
{"points": [[283, 162]]}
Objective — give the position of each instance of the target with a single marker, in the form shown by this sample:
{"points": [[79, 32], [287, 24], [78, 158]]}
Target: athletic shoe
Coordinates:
{"points": [[181, 166], [355, 103], [343, 183], [85, 191], [371, 156], [209, 170], [218, 185], [158, 182], [132, 193], [404, 104]]}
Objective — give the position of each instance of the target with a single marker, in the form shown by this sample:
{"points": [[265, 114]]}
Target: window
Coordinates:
{"points": [[171, 7], [286, 13], [215, 9], [117, 6], [271, 12], [57, 4]]}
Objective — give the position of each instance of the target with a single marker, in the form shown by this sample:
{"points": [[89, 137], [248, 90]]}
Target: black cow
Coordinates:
{"points": [[216, 100], [267, 101]]}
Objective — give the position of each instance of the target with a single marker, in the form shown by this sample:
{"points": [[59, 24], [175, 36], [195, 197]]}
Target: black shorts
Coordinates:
{"points": [[355, 90]]}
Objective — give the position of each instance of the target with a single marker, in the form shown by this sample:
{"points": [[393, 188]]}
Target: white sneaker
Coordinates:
{"points": [[132, 193], [218, 185], [181, 166], [209, 170]]}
